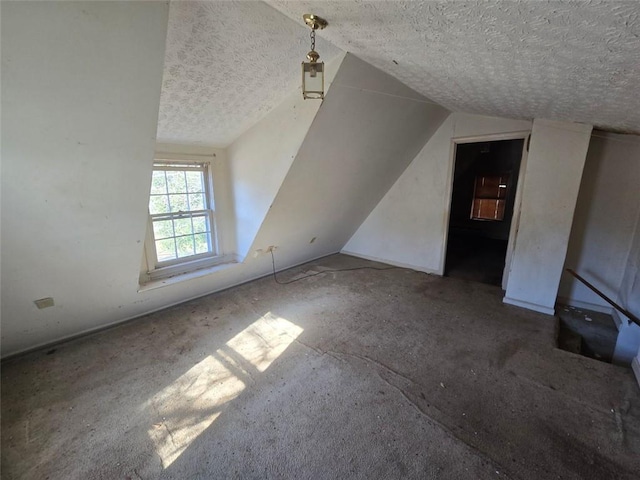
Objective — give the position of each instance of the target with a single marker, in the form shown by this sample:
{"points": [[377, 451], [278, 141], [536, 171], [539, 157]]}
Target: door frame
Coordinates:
{"points": [[515, 219]]}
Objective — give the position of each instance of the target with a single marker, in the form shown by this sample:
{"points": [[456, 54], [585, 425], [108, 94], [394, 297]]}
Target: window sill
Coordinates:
{"points": [[181, 277]]}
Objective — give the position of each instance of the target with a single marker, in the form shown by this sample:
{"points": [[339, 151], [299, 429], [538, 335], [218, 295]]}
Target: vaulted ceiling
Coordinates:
{"points": [[230, 63]]}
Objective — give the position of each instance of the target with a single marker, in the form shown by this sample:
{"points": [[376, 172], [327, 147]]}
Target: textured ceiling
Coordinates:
{"points": [[227, 64], [577, 61]]}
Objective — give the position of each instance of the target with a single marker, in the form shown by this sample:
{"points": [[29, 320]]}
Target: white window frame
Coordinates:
{"points": [[164, 269]]}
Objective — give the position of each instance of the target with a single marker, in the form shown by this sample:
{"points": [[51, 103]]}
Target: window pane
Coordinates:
{"points": [[491, 186], [175, 193], [185, 246], [200, 224], [178, 203], [175, 182], [165, 249], [196, 201], [159, 204], [162, 229], [158, 184], [182, 226], [195, 182], [488, 209], [488, 202], [202, 243]]}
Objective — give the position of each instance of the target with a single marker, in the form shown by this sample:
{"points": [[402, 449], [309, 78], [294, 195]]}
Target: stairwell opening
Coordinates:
{"points": [[586, 332]]}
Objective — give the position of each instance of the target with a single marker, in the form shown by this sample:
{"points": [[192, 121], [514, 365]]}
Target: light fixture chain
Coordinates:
{"points": [[313, 39]]}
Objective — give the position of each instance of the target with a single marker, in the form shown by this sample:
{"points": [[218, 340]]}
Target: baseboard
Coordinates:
{"points": [[635, 366], [529, 306], [586, 305], [409, 266], [117, 323]]}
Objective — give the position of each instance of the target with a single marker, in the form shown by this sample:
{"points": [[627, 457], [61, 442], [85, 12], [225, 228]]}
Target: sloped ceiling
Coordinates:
{"points": [[370, 127], [228, 63], [577, 61]]}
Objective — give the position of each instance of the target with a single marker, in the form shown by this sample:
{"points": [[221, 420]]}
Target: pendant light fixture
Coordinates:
{"points": [[313, 71]]}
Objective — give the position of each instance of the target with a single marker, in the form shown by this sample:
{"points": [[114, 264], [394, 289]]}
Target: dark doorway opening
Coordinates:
{"points": [[484, 189]]}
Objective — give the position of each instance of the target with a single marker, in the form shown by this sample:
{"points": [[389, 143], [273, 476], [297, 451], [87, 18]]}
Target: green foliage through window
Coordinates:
{"points": [[180, 207]]}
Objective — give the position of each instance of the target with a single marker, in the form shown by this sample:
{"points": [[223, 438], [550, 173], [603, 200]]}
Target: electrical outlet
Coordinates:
{"points": [[44, 303], [260, 251]]}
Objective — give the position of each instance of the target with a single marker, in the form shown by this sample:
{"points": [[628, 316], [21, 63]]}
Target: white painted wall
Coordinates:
{"points": [[552, 177], [364, 136], [89, 263], [629, 293], [261, 157], [628, 344], [408, 226], [604, 221], [605, 237], [80, 89], [627, 350]]}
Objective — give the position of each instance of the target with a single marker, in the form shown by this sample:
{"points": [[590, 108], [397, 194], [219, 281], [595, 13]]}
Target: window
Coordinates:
{"points": [[182, 219], [489, 197]]}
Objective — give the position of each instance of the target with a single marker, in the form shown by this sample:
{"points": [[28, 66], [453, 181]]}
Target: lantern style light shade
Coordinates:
{"points": [[313, 80], [313, 70]]}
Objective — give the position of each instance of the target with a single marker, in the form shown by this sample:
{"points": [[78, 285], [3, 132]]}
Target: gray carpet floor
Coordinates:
{"points": [[359, 374]]}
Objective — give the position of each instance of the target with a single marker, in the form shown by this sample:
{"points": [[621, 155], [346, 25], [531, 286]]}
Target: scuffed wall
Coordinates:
{"points": [[604, 222], [409, 224], [628, 344], [261, 157], [364, 136], [552, 176], [80, 91], [366, 131]]}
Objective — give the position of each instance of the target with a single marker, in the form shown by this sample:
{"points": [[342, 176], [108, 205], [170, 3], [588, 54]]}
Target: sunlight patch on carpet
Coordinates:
{"points": [[188, 406]]}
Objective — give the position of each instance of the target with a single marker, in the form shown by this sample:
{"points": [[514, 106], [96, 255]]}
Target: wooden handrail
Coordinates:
{"points": [[624, 311]]}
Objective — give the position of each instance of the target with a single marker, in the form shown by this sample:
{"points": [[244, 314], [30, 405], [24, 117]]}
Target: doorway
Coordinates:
{"points": [[485, 181]]}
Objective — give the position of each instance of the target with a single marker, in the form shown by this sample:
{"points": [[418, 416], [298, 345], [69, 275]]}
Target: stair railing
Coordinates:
{"points": [[624, 311]]}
